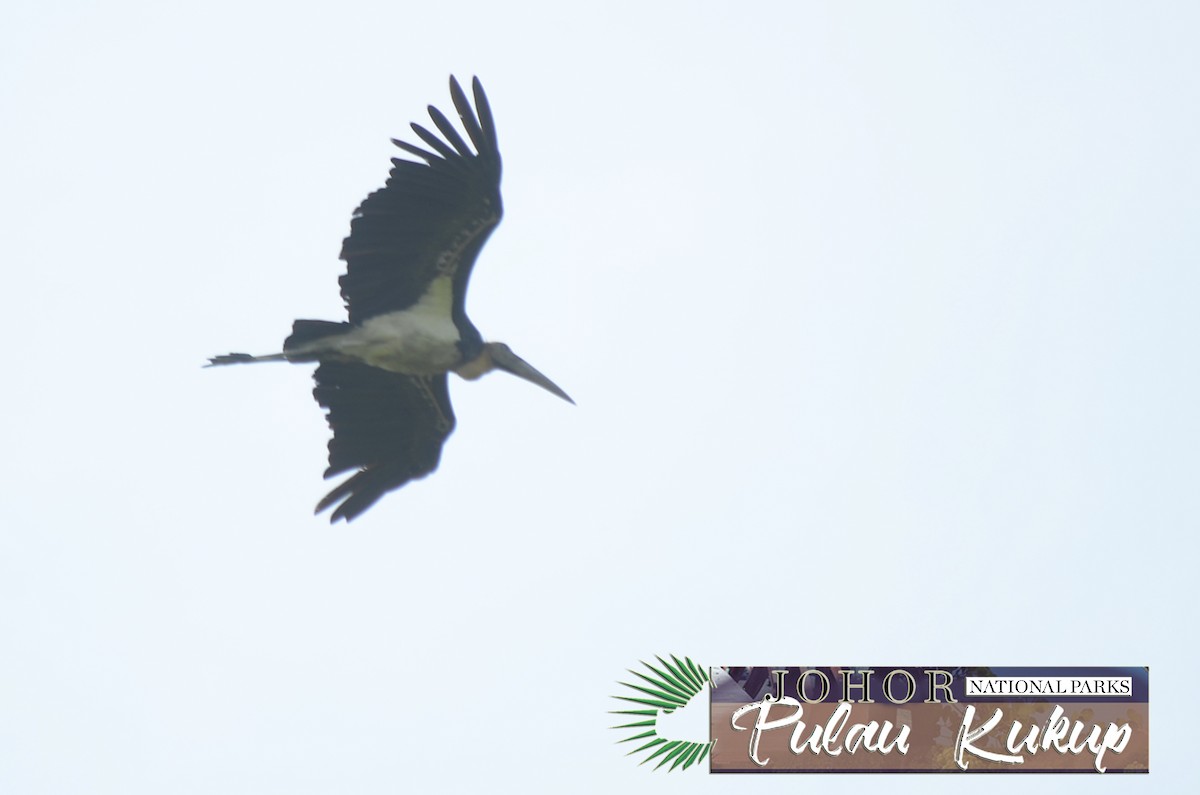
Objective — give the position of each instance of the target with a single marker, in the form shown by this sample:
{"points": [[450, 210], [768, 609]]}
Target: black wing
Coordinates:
{"points": [[390, 427], [430, 218]]}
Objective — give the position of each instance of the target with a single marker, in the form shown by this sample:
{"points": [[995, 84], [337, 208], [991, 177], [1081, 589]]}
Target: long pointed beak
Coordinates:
{"points": [[506, 360]]}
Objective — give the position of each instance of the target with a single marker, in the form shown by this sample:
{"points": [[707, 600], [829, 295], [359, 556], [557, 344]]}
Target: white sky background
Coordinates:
{"points": [[881, 319]]}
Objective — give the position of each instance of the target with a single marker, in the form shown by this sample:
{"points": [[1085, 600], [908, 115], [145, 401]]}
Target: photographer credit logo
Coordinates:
{"points": [[910, 719], [664, 689]]}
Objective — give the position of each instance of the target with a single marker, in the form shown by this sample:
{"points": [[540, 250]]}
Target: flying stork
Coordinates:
{"points": [[382, 375]]}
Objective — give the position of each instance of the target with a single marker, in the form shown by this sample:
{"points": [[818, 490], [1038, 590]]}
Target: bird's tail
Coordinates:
{"points": [[305, 332], [298, 347]]}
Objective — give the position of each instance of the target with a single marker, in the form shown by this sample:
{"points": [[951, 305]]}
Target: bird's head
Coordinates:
{"points": [[498, 356]]}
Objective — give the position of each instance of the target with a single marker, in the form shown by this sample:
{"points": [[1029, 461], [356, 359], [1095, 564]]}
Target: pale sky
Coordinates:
{"points": [[880, 317]]}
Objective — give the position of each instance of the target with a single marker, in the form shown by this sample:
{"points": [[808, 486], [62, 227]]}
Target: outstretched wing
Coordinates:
{"points": [[430, 219], [390, 427]]}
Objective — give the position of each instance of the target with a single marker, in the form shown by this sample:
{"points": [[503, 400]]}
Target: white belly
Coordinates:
{"points": [[420, 340]]}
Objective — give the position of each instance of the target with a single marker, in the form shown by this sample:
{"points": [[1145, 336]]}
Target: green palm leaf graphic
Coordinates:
{"points": [[667, 687]]}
